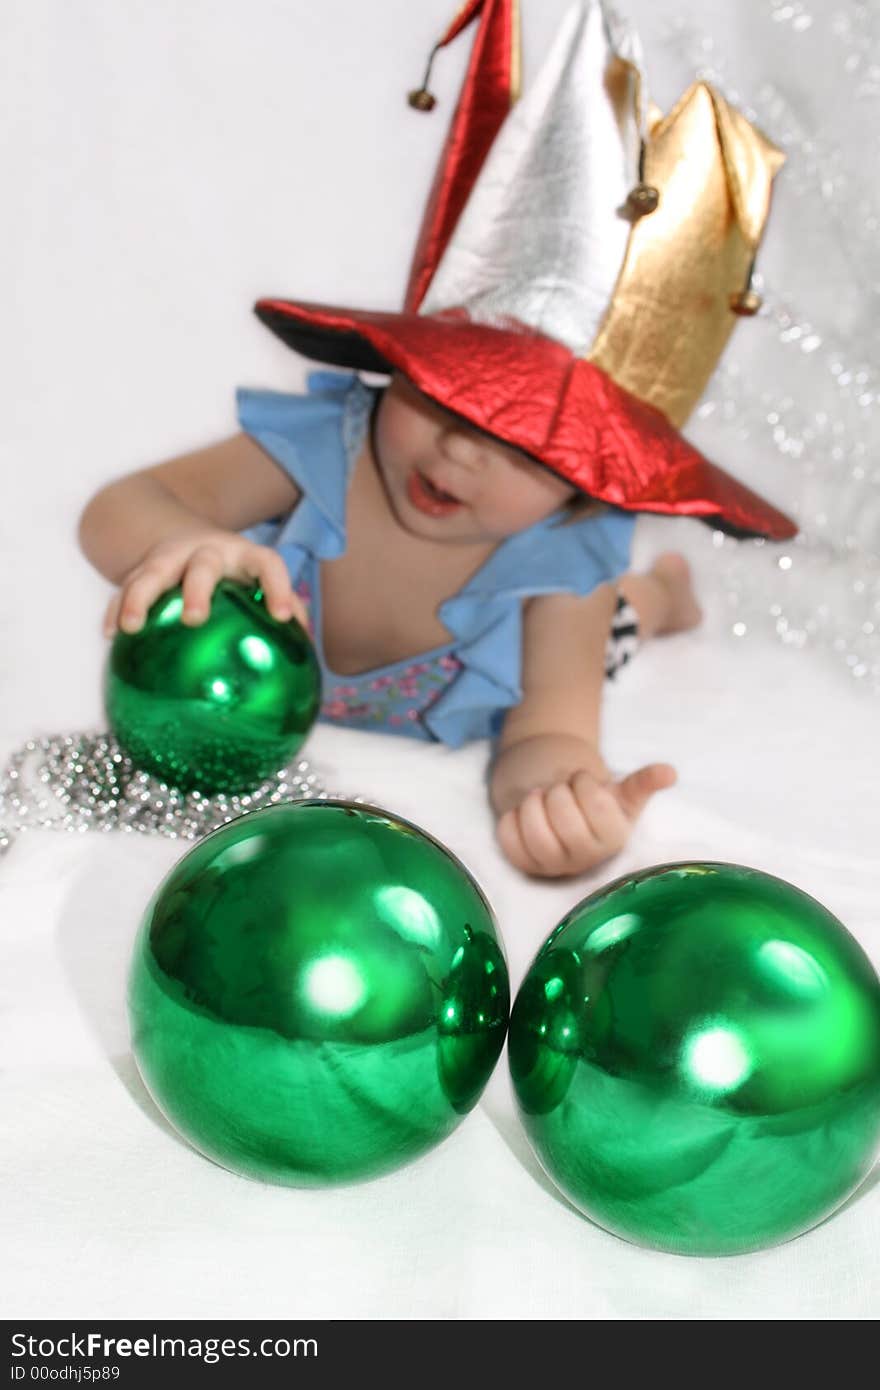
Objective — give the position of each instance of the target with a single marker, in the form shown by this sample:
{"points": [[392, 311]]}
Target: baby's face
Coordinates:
{"points": [[448, 482]]}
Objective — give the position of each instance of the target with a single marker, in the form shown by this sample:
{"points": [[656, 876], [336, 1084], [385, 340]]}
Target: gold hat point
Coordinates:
{"points": [[673, 310]]}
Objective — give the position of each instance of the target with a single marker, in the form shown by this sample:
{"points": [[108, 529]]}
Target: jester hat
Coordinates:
{"points": [[581, 264]]}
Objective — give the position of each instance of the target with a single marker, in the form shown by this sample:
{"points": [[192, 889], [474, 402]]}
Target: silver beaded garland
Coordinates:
{"points": [[79, 782]]}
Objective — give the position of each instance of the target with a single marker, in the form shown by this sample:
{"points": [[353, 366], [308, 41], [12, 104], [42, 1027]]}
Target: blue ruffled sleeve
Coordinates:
{"points": [[485, 618], [315, 438]]}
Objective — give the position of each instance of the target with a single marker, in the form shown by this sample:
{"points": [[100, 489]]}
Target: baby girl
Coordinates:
{"points": [[429, 501], [458, 543]]}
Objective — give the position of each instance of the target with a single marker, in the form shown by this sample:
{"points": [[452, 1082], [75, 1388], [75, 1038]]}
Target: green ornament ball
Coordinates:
{"points": [[219, 707], [317, 993], [695, 1054]]}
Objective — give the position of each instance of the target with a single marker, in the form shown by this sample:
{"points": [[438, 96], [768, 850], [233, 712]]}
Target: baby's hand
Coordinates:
{"points": [[573, 826], [197, 560]]}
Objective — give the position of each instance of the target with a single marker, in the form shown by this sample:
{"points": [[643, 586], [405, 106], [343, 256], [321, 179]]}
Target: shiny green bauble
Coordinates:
{"points": [[317, 993], [219, 707], [695, 1053]]}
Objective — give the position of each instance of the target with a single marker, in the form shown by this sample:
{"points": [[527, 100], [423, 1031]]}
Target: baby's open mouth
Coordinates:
{"points": [[426, 497], [437, 491]]}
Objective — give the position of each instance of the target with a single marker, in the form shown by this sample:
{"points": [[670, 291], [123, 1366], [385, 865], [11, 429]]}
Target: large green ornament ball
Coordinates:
{"points": [[317, 993], [218, 707], [695, 1052]]}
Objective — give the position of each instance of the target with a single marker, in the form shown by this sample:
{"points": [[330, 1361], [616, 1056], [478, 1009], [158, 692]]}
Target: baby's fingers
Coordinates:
{"points": [[602, 811], [111, 615], [636, 790], [199, 582], [570, 826], [547, 834], [539, 837], [509, 838], [274, 578], [140, 591]]}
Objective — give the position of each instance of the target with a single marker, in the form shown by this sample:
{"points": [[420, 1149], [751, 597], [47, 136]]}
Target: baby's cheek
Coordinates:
{"points": [[518, 514], [403, 433]]}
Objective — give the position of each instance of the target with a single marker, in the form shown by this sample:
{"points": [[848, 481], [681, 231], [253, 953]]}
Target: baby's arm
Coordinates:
{"points": [[177, 522], [559, 809]]}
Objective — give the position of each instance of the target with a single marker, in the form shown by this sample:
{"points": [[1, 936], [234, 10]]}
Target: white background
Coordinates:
{"points": [[163, 166]]}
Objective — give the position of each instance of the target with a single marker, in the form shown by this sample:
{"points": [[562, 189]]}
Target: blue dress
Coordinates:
{"points": [[452, 693]]}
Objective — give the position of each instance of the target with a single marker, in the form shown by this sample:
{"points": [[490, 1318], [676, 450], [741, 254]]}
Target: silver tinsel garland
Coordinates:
{"points": [[89, 783]]}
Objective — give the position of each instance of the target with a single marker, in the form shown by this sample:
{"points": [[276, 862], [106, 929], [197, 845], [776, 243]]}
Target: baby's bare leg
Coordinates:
{"points": [[663, 596]]}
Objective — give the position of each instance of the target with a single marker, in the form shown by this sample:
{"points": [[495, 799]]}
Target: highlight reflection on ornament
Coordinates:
{"points": [[317, 994], [218, 707], [695, 1053]]}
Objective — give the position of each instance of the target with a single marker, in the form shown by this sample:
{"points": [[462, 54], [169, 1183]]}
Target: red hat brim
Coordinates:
{"points": [[531, 392]]}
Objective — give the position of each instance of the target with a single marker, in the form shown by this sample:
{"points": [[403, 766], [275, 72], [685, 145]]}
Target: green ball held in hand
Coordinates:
{"points": [[317, 993], [695, 1053], [219, 707]]}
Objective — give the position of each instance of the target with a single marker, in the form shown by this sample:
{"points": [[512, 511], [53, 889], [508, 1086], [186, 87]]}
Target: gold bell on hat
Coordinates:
{"points": [[642, 199], [421, 99], [746, 302]]}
